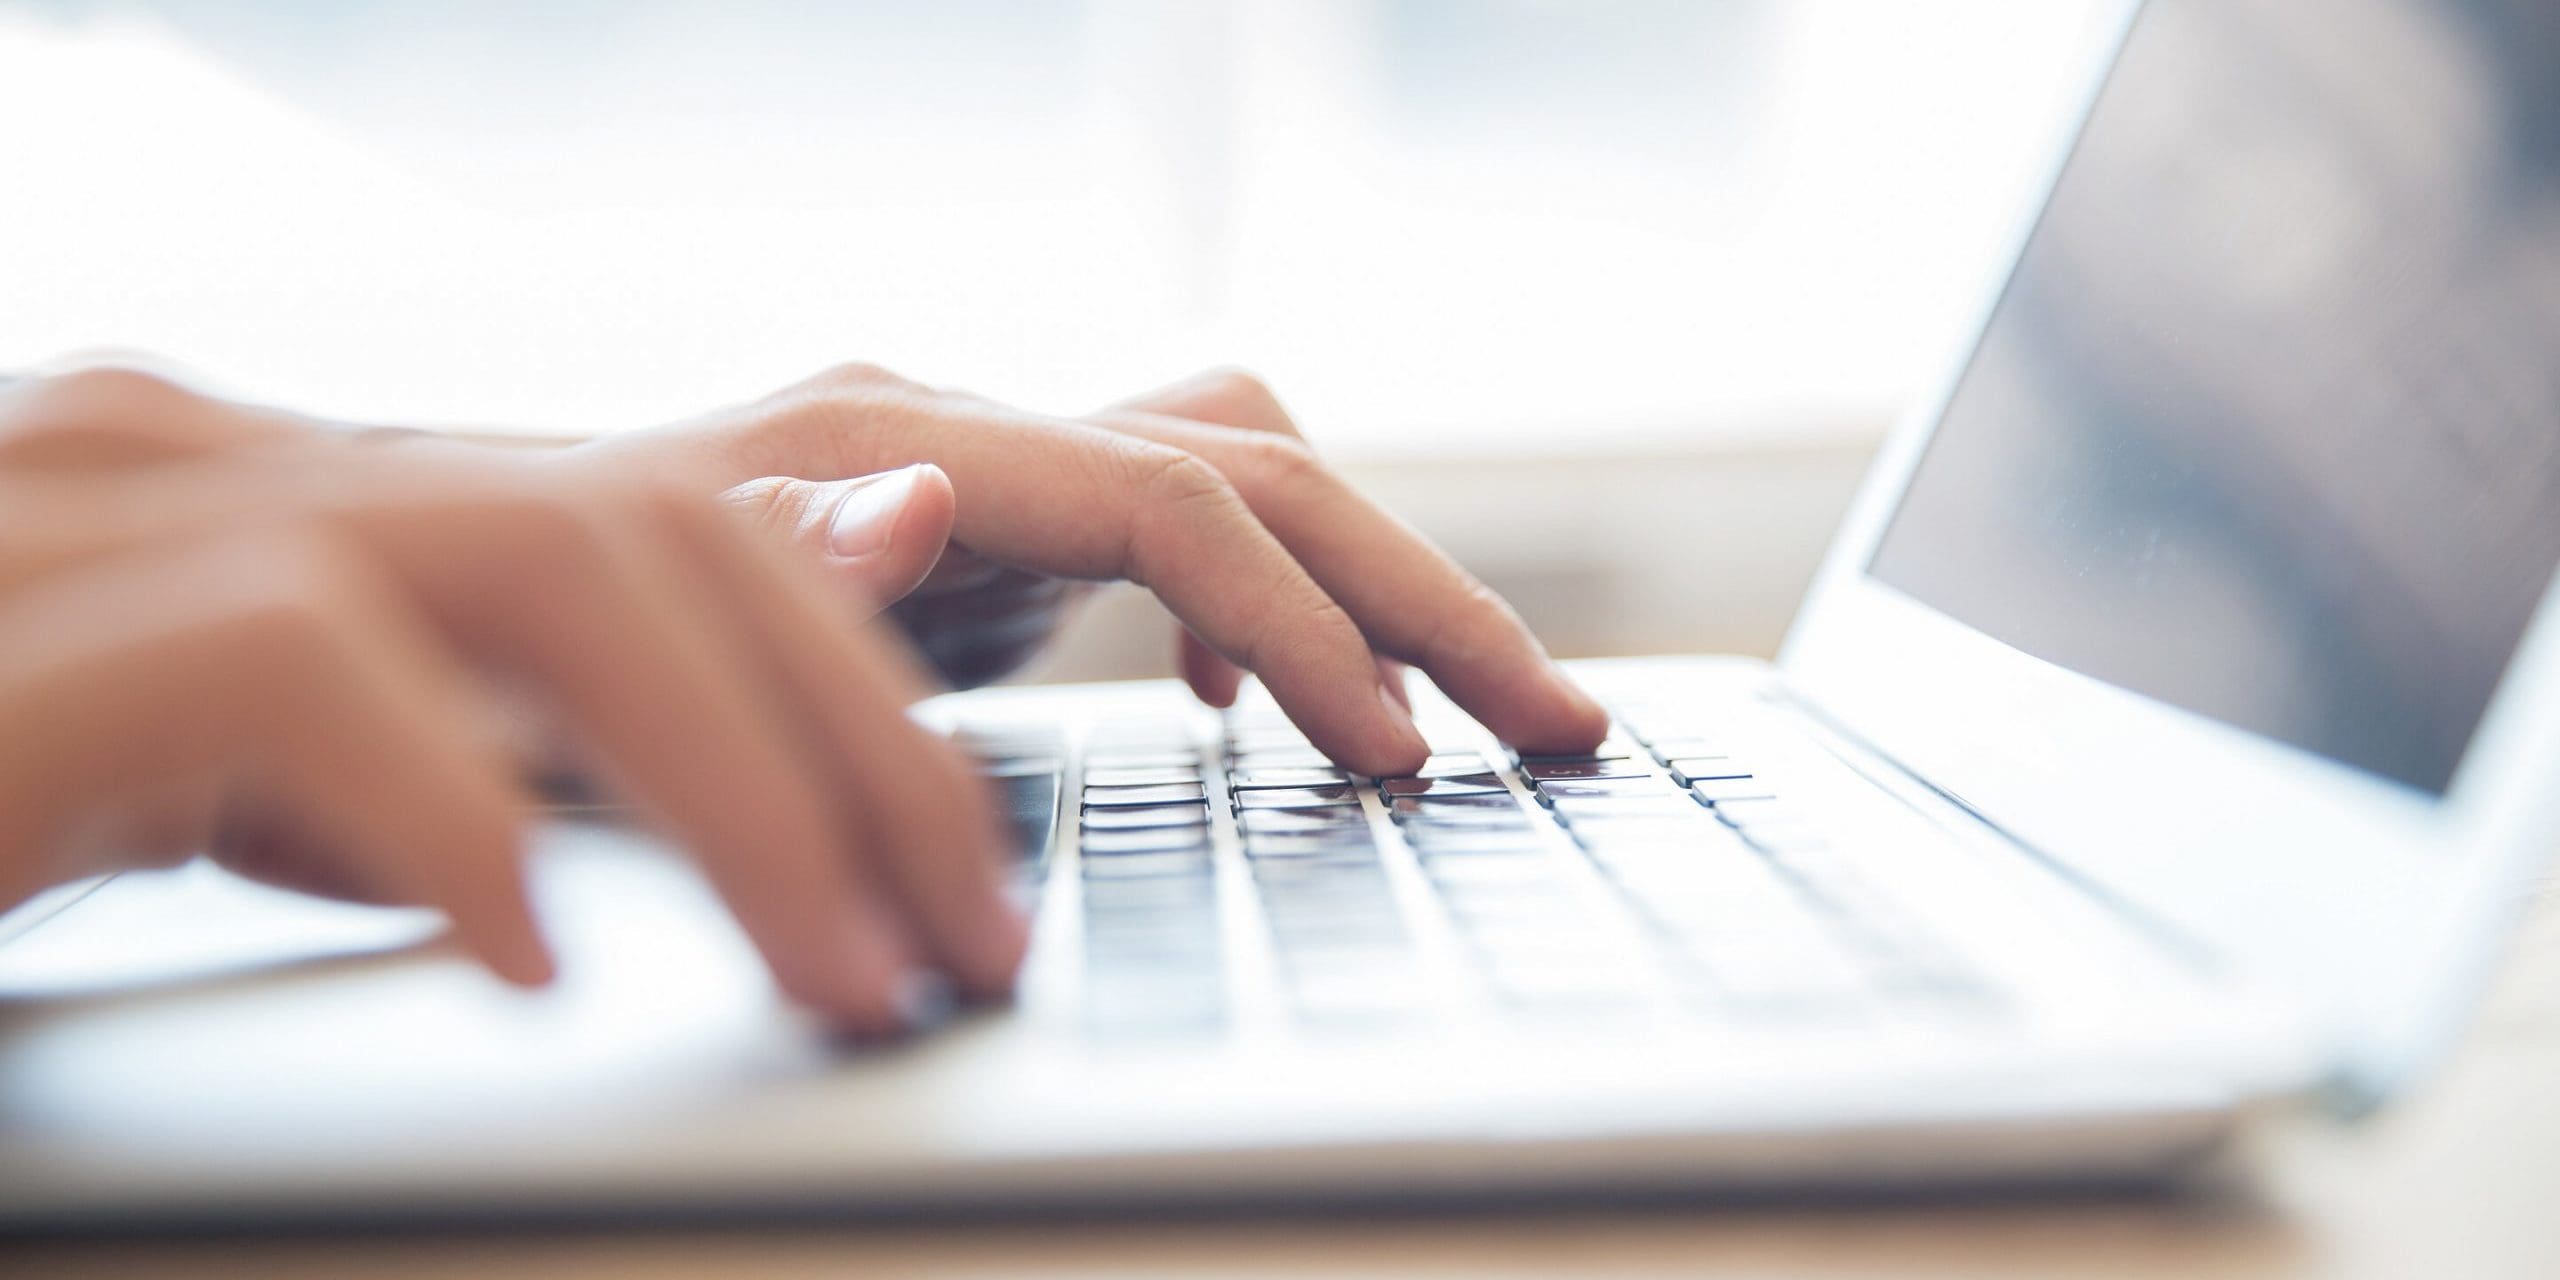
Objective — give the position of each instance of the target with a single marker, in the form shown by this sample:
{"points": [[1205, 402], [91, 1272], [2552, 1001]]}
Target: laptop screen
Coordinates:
{"points": [[2267, 422]]}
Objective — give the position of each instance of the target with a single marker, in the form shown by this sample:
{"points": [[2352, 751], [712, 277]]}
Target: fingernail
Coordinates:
{"points": [[922, 1000], [868, 513]]}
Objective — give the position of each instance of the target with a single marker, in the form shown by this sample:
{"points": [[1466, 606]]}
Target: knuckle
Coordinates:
{"points": [[103, 396], [1174, 496], [1285, 465], [772, 502], [862, 375], [1242, 385], [1170, 478]]}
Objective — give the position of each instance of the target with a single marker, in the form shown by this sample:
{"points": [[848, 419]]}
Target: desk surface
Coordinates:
{"points": [[2461, 1180]]}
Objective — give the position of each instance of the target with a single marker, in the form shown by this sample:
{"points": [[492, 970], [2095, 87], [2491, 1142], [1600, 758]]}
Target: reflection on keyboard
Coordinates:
{"points": [[1657, 869]]}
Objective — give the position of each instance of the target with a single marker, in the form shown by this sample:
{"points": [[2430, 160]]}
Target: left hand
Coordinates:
{"points": [[1201, 491]]}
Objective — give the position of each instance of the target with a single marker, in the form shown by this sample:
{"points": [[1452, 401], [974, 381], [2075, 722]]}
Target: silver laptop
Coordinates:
{"points": [[2172, 733]]}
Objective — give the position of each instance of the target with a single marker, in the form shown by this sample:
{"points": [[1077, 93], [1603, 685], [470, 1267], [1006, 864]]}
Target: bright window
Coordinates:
{"points": [[1497, 225]]}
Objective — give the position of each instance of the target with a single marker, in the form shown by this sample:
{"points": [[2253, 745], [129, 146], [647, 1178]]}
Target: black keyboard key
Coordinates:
{"points": [[1453, 807], [1146, 866], [1019, 766], [1615, 748], [1266, 777], [1160, 776], [1343, 817], [1122, 797], [1120, 737], [1450, 764], [1584, 770], [1298, 798], [1142, 760], [1148, 840], [1642, 785], [1144, 816], [1337, 847], [1281, 758], [1248, 741], [1667, 804], [1284, 880], [1462, 784]]}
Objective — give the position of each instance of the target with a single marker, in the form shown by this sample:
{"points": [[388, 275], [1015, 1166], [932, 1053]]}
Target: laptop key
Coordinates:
{"points": [[1431, 840], [1144, 816], [1560, 771], [1160, 776], [1453, 806], [1318, 845], [1323, 818], [1614, 748], [1280, 758], [1720, 791], [1029, 805], [1450, 764], [1298, 798], [1674, 748], [1145, 840], [1155, 900], [1694, 769], [1531, 870], [1119, 797], [1573, 810], [1134, 866], [1267, 777], [1641, 785], [1752, 812], [1099, 759], [1461, 784]]}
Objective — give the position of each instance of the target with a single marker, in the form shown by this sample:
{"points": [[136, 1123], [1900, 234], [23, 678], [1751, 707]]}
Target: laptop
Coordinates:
{"points": [[2168, 738]]}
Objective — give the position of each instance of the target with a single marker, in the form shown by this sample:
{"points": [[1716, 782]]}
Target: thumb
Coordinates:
{"points": [[877, 535]]}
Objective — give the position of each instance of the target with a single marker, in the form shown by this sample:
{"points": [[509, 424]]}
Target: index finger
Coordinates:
{"points": [[1075, 500], [1409, 598]]}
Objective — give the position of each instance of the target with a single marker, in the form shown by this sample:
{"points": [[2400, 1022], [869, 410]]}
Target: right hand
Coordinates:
{"points": [[1202, 492], [222, 628]]}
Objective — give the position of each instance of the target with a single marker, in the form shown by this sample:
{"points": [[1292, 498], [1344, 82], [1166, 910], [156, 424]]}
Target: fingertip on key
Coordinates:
{"points": [[1568, 718], [1408, 749]]}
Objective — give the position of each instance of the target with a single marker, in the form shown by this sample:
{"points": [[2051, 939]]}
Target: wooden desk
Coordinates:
{"points": [[2461, 1181]]}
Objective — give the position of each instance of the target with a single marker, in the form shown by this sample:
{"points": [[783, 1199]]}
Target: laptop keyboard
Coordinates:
{"points": [[1656, 870]]}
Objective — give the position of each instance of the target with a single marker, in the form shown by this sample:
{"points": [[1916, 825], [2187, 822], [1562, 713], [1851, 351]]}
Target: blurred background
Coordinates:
{"points": [[1611, 298]]}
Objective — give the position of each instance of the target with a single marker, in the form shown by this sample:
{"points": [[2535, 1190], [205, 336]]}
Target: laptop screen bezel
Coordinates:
{"points": [[2375, 901]]}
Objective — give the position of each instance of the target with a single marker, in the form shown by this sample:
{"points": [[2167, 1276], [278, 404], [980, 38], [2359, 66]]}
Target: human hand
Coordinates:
{"points": [[218, 627], [1201, 492]]}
